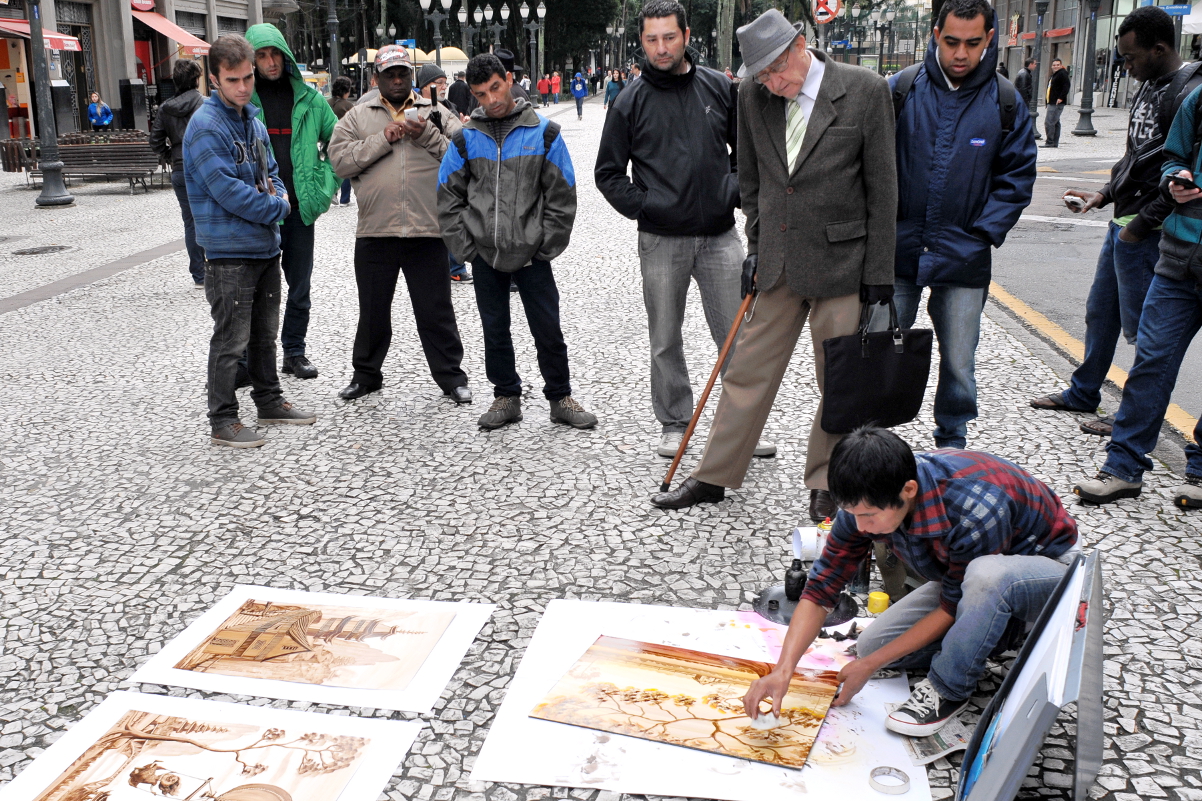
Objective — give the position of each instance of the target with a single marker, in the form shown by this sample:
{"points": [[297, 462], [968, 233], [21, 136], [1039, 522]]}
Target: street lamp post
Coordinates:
{"points": [[1041, 8], [497, 28], [855, 31], [54, 192], [1085, 123], [533, 25], [332, 23], [468, 31], [436, 17]]}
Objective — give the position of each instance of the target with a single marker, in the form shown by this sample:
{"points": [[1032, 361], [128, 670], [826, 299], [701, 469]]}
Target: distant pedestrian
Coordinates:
{"points": [[730, 75], [579, 91], [238, 201], [1058, 87], [1001, 70], [99, 114], [509, 61], [612, 90], [525, 82], [556, 86], [512, 234], [167, 139], [459, 95], [1023, 84], [341, 104], [544, 89], [390, 148]]}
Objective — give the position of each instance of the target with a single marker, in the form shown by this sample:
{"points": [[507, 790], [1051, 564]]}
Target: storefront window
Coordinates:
{"points": [[1066, 14]]}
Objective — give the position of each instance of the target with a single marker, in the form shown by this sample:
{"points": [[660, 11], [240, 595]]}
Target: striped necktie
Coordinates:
{"points": [[795, 131]]}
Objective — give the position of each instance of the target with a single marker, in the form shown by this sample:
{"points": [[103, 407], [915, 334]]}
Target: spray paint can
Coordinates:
{"points": [[795, 581]]}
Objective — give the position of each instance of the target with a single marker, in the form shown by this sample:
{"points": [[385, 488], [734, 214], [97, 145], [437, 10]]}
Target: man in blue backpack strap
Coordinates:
{"points": [[1132, 244], [238, 202], [966, 167]]}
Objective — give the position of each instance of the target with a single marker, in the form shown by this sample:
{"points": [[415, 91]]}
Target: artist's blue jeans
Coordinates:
{"points": [[296, 259], [1171, 318], [196, 254], [1120, 283], [996, 588]]}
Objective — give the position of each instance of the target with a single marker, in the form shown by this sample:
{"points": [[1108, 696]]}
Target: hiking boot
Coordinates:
{"points": [[1105, 488], [567, 411], [285, 412], [669, 443], [1189, 494], [236, 435], [299, 366], [504, 410], [924, 712]]}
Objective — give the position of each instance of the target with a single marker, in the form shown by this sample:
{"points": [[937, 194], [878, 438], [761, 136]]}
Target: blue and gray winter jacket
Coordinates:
{"points": [[962, 186], [1180, 258], [234, 220]]}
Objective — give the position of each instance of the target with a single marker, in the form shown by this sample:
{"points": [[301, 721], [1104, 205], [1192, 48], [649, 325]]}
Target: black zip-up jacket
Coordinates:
{"points": [[1134, 186], [1022, 84], [1058, 87], [167, 135], [680, 132]]}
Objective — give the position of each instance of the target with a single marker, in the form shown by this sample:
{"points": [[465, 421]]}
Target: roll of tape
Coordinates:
{"points": [[889, 789]]}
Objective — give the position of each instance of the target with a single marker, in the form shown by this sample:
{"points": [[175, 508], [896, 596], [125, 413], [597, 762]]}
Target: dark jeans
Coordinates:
{"points": [[296, 257], [546, 98], [345, 197], [1051, 123], [244, 299], [196, 254], [540, 298], [580, 106], [1124, 272], [378, 260], [1171, 318]]}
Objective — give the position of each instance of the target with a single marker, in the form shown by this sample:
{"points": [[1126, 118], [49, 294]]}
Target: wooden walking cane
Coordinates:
{"points": [[705, 395]]}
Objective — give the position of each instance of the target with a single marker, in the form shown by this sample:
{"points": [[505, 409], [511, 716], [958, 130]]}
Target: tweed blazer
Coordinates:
{"points": [[830, 224]]}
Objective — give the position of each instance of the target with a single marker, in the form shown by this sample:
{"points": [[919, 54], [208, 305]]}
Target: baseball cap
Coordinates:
{"points": [[392, 56]]}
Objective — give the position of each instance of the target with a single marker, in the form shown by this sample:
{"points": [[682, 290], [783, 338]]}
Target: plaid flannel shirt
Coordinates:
{"points": [[969, 504]]}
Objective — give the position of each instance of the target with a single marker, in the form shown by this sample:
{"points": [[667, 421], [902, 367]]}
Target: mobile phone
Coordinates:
{"points": [[1074, 202], [1184, 183], [411, 115]]}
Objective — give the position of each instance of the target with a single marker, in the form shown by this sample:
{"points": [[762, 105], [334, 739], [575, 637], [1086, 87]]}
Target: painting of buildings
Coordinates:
{"points": [[687, 698]]}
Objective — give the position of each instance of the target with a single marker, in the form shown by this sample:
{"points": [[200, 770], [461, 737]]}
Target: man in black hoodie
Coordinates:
{"points": [[1058, 87], [167, 139], [677, 126]]}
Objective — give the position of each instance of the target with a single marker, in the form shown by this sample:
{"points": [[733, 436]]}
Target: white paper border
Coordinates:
{"points": [[420, 696], [390, 740]]}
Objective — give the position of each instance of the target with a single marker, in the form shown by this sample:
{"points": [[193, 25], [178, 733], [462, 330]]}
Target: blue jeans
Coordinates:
{"points": [[1171, 318], [540, 298], [1125, 271], [457, 268], [996, 588], [345, 197], [196, 254], [296, 246], [579, 106], [956, 314]]}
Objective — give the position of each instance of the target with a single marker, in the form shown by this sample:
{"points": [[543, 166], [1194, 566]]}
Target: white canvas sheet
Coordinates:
{"points": [[419, 696], [389, 742], [523, 750]]}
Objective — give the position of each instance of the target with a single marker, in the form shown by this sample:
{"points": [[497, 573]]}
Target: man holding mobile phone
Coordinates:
{"points": [[1131, 248]]}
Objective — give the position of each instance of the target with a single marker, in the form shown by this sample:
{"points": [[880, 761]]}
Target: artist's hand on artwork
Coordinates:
{"points": [[775, 686], [853, 676]]}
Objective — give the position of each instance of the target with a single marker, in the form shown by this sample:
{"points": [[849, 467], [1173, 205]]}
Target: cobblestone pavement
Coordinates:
{"points": [[121, 524]]}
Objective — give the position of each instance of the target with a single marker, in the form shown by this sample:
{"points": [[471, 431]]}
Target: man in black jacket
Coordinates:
{"points": [[677, 126], [1022, 85], [1058, 87], [167, 139], [1132, 245]]}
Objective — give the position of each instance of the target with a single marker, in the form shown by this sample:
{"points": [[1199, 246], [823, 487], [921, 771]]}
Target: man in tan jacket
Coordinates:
{"points": [[390, 148]]}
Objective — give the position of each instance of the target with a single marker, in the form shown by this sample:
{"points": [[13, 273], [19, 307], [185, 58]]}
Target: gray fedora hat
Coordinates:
{"points": [[764, 39]]}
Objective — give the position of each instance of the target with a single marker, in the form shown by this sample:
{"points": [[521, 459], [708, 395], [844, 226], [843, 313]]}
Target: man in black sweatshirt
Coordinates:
{"points": [[677, 126], [1058, 86]]}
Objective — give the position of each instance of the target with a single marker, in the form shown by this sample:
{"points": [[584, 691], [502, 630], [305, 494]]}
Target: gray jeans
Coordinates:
{"points": [[668, 264], [1051, 123]]}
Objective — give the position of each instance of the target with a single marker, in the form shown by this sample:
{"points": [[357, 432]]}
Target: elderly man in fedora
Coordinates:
{"points": [[818, 179]]}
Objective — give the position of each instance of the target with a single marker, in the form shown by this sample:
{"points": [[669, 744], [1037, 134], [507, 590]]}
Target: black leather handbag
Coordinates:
{"points": [[875, 378]]}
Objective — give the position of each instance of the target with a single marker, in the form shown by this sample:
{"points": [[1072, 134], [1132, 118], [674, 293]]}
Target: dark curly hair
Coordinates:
{"points": [[1151, 25]]}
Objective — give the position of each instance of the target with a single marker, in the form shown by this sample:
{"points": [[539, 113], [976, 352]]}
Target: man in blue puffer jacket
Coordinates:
{"points": [[963, 184]]}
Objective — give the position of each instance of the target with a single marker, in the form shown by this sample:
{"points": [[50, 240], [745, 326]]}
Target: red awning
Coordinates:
{"points": [[188, 43], [54, 41]]}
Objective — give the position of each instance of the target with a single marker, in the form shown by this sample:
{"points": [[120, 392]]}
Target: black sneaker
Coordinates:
{"points": [[924, 712], [299, 366], [568, 411], [504, 410]]}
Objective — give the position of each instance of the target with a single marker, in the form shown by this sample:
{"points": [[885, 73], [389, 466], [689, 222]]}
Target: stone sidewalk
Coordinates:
{"points": [[121, 524]]}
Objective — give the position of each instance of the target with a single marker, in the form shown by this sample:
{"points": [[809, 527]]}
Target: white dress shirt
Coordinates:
{"points": [[809, 90]]}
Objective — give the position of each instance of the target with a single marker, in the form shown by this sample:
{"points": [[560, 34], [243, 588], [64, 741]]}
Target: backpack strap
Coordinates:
{"points": [[1007, 104], [1184, 82], [902, 87], [549, 134], [460, 143]]}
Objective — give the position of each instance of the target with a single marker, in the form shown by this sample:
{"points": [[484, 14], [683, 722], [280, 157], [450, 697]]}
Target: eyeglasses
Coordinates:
{"points": [[775, 68]]}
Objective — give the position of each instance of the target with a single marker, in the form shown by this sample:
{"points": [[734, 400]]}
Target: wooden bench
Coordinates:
{"points": [[96, 154], [18, 155]]}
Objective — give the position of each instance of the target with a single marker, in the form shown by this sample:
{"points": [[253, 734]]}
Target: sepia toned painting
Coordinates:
{"points": [[688, 698], [356, 647], [147, 755]]}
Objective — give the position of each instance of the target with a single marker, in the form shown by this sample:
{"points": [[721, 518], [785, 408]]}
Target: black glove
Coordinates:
{"points": [[876, 293], [749, 266]]}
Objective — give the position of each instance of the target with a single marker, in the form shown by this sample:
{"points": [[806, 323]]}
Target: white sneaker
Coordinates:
{"points": [[669, 443], [764, 449]]}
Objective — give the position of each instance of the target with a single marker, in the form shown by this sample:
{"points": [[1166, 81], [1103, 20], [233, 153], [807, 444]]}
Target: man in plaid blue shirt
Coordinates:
{"points": [[991, 540]]}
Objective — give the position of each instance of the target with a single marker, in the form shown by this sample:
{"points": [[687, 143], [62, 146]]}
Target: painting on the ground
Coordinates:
{"points": [[148, 755], [687, 698], [357, 647]]}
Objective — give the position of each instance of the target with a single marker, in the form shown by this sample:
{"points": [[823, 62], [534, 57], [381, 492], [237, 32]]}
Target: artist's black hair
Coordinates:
{"points": [[1151, 24], [656, 9], [870, 465], [482, 67], [966, 9], [341, 87], [185, 75]]}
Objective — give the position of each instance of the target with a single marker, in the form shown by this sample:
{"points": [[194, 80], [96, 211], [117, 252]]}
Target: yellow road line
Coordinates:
{"points": [[1179, 418]]}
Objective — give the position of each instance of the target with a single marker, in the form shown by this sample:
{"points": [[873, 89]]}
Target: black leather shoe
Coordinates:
{"points": [[822, 506], [299, 366], [460, 395], [354, 390], [689, 493]]}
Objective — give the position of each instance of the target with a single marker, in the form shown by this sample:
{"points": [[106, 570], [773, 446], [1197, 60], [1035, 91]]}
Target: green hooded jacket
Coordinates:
{"points": [[313, 122]]}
